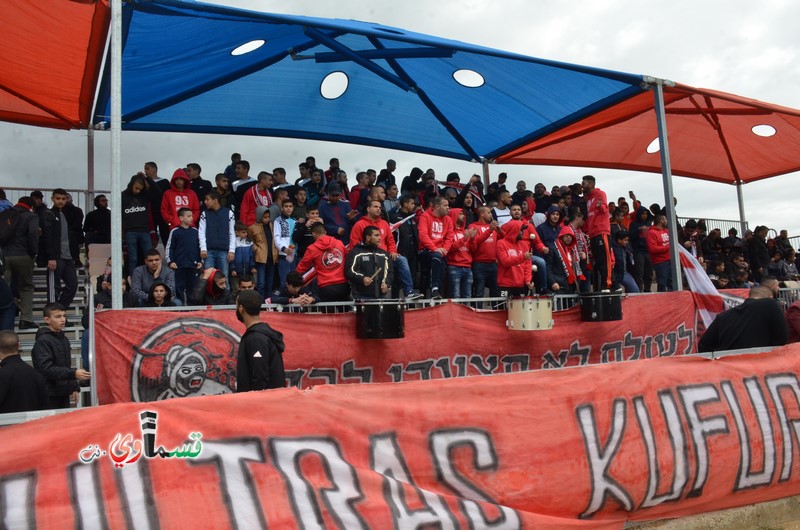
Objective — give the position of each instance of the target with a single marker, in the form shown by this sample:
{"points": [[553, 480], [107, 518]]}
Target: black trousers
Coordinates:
{"points": [[65, 273], [601, 261]]}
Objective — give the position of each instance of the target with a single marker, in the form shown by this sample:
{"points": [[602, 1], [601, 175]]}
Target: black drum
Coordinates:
{"points": [[601, 307], [380, 319]]}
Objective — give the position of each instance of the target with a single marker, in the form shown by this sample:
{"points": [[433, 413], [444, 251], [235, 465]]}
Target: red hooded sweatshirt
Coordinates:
{"points": [[598, 222], [435, 232], [658, 244], [460, 254], [485, 243], [174, 199], [326, 255], [513, 267], [387, 239]]}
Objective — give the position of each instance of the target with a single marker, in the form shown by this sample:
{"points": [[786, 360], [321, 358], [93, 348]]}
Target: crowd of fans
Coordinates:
{"points": [[320, 237]]}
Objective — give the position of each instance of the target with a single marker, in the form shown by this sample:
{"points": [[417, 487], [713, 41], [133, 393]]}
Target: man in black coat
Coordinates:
{"points": [[21, 387], [260, 357], [758, 323]]}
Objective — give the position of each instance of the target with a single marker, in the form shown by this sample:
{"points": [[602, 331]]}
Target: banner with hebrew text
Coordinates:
{"points": [[140, 354]]}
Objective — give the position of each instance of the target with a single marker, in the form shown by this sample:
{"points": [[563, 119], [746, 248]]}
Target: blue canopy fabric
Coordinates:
{"points": [[178, 74]]}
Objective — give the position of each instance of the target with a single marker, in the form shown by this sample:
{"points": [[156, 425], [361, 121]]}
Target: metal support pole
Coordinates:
{"points": [[116, 159], [92, 345], [90, 162], [666, 173], [742, 218], [486, 176]]}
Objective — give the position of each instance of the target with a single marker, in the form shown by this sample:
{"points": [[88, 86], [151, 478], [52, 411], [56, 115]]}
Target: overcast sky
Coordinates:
{"points": [[748, 48]]}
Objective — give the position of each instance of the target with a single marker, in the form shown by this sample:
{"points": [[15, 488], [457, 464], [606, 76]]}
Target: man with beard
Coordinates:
{"points": [[260, 357]]}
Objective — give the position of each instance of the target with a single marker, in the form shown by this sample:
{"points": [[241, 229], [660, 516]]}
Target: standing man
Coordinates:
{"points": [[60, 261], [658, 245], [484, 261], [20, 253], [97, 223], [435, 239], [217, 234], [598, 228], [224, 190], [155, 191], [260, 358], [242, 183], [198, 184], [369, 267], [255, 196], [21, 387]]}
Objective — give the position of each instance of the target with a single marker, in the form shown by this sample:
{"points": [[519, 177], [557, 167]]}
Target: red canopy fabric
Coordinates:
{"points": [[50, 52], [711, 137]]}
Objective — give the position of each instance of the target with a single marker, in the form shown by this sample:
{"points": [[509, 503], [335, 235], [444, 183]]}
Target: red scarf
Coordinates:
{"points": [[569, 256], [261, 200]]}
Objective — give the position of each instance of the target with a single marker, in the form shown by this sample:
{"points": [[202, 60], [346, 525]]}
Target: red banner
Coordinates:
{"points": [[588, 447], [140, 353]]}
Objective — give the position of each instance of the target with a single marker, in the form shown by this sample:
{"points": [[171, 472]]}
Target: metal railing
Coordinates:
{"points": [[83, 199], [723, 224]]}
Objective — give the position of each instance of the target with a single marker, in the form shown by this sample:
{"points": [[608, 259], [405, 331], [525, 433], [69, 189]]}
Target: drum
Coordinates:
{"points": [[530, 313], [601, 307], [380, 319]]}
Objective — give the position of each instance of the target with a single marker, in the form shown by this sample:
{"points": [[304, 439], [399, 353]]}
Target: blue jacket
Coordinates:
{"points": [[183, 247], [244, 260], [334, 216]]}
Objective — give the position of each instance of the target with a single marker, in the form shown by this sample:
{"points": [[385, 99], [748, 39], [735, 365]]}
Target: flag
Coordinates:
{"points": [[709, 302]]}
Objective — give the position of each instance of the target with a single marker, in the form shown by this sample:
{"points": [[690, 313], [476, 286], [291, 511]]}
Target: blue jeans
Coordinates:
{"points": [[284, 268], [484, 275], [629, 283], [137, 241], [663, 276], [265, 274], [436, 263], [217, 259], [460, 281], [403, 274], [540, 275]]}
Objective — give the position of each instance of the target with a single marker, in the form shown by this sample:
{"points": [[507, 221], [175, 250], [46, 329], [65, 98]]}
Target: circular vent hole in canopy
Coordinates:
{"points": [[654, 146], [468, 78], [334, 85], [248, 47], [764, 130]]}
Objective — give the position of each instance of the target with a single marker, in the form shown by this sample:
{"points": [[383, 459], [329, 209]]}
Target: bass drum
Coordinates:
{"points": [[382, 319], [530, 313]]}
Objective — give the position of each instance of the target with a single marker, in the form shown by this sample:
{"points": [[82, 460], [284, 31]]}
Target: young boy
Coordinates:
{"points": [[52, 357], [302, 236], [244, 261], [283, 229], [264, 250], [183, 254]]}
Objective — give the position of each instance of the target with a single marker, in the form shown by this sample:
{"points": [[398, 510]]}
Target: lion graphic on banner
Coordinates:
{"points": [[186, 357]]}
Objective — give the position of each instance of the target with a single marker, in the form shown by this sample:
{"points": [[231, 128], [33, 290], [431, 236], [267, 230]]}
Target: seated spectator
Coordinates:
{"points": [[327, 256], [369, 267], [789, 266], [716, 270], [212, 289], [623, 262], [22, 388], [757, 323], [293, 292], [740, 280], [246, 283], [774, 266], [435, 239], [160, 295], [5, 204], [711, 245], [244, 261], [145, 275]]}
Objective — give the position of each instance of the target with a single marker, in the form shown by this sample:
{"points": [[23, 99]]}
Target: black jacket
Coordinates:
{"points": [[368, 261], [407, 233], [260, 359], [757, 323], [52, 357], [51, 233], [26, 235], [21, 387], [135, 211]]}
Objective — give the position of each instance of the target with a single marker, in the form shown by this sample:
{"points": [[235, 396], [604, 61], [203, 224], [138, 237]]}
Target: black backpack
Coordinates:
{"points": [[9, 219]]}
